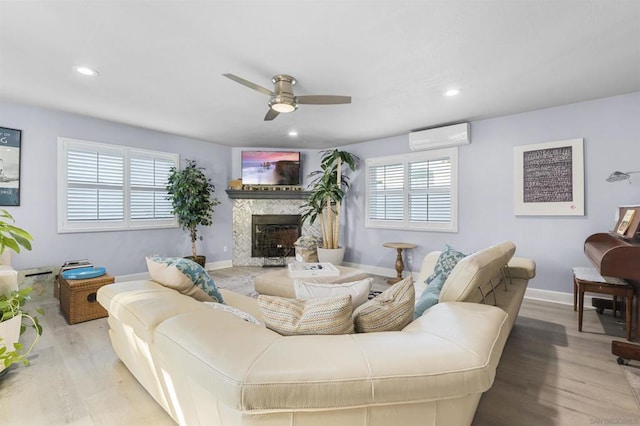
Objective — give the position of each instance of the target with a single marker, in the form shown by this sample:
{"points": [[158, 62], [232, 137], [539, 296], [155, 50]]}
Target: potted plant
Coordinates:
{"points": [[327, 190], [14, 319], [190, 192]]}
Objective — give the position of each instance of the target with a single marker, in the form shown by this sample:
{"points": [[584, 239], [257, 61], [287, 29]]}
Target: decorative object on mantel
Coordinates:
{"points": [[618, 176], [190, 192], [235, 184], [549, 179], [327, 192]]}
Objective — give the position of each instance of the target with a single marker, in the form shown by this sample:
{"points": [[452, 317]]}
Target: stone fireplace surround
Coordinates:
{"points": [[244, 208]]}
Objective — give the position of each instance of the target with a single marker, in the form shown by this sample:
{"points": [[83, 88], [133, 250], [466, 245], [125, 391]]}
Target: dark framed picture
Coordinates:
{"points": [[549, 179], [10, 144]]}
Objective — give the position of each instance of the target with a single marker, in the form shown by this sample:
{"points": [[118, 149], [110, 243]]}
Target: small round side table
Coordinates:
{"points": [[399, 262]]}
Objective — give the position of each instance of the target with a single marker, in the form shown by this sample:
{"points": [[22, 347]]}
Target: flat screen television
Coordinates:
{"points": [[270, 168]]}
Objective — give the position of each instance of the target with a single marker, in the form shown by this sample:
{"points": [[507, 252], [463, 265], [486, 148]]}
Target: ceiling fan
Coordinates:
{"points": [[282, 98]]}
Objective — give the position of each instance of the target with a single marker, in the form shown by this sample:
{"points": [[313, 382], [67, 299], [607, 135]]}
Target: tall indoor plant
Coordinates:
{"points": [[191, 195], [14, 319], [327, 190]]}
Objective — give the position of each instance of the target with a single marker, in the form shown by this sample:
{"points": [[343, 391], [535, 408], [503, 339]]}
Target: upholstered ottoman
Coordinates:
{"points": [[279, 283]]}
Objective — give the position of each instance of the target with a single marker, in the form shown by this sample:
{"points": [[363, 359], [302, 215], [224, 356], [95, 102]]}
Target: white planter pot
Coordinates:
{"points": [[10, 334], [333, 256]]}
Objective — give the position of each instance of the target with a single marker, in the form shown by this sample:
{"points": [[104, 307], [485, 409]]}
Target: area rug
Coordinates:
{"points": [[632, 373], [242, 284]]}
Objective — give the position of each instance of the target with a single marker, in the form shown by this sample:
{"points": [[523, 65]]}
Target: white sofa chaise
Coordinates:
{"points": [[207, 366]]}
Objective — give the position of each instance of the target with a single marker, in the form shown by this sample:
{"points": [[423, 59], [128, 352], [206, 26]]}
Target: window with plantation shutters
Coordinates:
{"points": [[108, 187], [413, 191]]}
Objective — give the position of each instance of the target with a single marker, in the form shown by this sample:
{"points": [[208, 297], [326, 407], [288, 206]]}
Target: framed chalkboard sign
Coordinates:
{"points": [[10, 145]]}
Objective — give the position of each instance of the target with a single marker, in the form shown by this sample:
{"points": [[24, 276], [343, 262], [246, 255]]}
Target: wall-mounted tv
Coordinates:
{"points": [[270, 168]]}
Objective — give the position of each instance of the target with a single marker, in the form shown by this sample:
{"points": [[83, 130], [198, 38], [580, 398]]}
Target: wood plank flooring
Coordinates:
{"points": [[549, 374]]}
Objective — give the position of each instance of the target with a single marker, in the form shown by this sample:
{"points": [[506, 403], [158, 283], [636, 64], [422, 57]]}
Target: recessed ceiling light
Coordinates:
{"points": [[85, 70], [452, 92], [293, 133]]}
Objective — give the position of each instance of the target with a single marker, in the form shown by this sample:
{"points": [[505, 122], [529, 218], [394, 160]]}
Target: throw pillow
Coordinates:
{"points": [[359, 290], [429, 296], [447, 260], [291, 317], [392, 310], [235, 311], [185, 276]]}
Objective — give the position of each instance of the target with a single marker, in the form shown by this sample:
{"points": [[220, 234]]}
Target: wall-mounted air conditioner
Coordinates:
{"points": [[440, 137]]}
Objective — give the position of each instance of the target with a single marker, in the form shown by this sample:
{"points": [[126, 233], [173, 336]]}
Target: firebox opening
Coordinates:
{"points": [[273, 236]]}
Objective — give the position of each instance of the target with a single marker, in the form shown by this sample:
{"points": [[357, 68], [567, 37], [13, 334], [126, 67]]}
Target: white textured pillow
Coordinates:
{"points": [[235, 311], [291, 317], [392, 310], [359, 290]]}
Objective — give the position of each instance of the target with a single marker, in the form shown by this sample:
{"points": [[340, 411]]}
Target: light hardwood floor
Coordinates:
{"points": [[549, 374]]}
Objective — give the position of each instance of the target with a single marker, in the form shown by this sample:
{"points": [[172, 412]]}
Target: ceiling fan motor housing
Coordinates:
{"points": [[284, 92]]}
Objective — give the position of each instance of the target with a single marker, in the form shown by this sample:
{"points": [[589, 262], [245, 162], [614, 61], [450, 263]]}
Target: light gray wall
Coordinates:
{"points": [[611, 131], [120, 252]]}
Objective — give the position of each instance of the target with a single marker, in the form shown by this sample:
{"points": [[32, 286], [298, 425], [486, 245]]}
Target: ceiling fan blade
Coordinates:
{"points": [[271, 114], [323, 99], [249, 84]]}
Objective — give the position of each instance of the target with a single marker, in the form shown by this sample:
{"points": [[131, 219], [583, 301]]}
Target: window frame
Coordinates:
{"points": [[127, 223], [405, 159]]}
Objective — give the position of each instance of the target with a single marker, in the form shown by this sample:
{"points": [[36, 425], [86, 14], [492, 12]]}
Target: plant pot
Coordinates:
{"points": [[10, 334], [200, 260], [333, 256]]}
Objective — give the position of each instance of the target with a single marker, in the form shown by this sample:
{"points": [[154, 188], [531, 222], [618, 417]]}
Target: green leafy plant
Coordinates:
{"points": [[12, 304], [190, 192], [327, 190]]}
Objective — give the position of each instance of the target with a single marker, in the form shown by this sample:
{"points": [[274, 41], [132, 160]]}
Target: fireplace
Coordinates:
{"points": [[274, 235]]}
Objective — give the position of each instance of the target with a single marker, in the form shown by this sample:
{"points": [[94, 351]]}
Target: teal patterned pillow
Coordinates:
{"points": [[189, 269], [448, 260], [429, 296]]}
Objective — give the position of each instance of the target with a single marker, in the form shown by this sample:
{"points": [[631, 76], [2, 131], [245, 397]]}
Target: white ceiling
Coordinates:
{"points": [[161, 62]]}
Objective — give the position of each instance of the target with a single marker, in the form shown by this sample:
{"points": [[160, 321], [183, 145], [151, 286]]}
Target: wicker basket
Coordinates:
{"points": [[78, 301]]}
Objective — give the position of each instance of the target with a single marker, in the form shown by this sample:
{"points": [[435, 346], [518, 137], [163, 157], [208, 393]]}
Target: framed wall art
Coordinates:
{"points": [[549, 179], [10, 145]]}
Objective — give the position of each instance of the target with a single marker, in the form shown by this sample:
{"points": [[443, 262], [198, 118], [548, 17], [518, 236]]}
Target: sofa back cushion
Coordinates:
{"points": [[474, 271]]}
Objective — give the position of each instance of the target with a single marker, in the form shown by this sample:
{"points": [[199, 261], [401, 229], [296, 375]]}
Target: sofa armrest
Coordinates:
{"points": [[520, 267]]}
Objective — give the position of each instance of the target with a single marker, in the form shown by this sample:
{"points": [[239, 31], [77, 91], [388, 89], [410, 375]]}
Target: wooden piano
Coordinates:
{"points": [[616, 255]]}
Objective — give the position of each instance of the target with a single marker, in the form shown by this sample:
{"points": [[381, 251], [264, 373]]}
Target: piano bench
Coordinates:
{"points": [[589, 280]]}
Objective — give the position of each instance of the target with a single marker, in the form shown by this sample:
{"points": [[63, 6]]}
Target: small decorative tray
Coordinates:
{"points": [[84, 273], [313, 270]]}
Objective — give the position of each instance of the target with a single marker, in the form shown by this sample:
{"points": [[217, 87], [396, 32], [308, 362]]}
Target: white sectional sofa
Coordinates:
{"points": [[207, 366]]}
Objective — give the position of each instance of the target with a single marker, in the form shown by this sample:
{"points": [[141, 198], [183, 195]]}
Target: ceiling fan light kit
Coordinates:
{"points": [[282, 98]]}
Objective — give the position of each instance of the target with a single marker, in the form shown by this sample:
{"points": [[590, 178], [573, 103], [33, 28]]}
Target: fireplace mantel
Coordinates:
{"points": [[235, 194]]}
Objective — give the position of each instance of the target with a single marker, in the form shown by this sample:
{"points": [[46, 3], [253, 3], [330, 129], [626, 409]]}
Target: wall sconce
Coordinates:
{"points": [[618, 176]]}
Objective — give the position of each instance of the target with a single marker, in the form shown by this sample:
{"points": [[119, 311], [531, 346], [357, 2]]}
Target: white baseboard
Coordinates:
{"points": [[133, 277], [219, 265]]}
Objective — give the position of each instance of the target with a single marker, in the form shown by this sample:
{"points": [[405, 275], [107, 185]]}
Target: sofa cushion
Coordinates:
{"points": [[475, 271], [314, 316], [185, 276], [391, 310], [429, 297], [448, 259], [359, 290]]}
